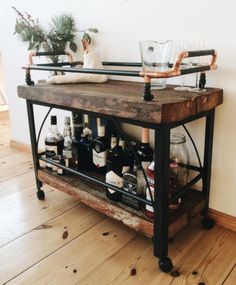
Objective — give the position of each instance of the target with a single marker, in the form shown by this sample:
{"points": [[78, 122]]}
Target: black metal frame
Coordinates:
{"points": [[161, 197]]}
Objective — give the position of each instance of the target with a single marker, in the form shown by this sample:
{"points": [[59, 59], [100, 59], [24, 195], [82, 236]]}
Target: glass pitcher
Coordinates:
{"points": [[155, 57]]}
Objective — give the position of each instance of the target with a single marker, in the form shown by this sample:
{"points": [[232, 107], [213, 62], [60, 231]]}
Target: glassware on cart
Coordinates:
{"points": [[155, 57], [179, 160], [178, 47]]}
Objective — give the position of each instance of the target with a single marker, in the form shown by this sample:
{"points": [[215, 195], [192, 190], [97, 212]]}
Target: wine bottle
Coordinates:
{"points": [[67, 126], [114, 170], [145, 152], [53, 141], [85, 146], [100, 148], [76, 136], [67, 148]]}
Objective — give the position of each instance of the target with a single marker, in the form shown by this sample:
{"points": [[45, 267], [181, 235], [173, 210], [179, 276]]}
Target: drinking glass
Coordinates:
{"points": [[155, 57], [182, 46]]}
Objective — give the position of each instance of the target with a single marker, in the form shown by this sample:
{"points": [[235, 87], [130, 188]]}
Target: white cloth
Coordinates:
{"points": [[91, 60]]}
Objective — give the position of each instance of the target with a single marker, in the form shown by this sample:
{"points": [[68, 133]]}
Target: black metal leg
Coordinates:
{"points": [[161, 197], [30, 112], [209, 132]]}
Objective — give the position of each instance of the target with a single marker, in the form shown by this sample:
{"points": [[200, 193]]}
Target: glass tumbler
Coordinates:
{"points": [[155, 57]]}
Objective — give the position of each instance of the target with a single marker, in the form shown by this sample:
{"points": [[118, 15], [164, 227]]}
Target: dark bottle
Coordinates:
{"points": [[85, 146], [100, 149], [76, 136], [145, 152], [114, 170], [132, 184], [53, 141], [67, 148]]}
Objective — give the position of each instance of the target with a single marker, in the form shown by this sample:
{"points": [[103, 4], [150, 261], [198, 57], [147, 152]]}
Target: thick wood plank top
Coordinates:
{"points": [[123, 99]]}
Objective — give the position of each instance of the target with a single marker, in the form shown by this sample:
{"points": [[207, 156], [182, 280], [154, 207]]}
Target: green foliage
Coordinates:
{"points": [[62, 32]]}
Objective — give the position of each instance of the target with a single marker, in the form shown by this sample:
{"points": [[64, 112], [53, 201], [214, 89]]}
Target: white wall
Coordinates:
{"points": [[122, 24]]}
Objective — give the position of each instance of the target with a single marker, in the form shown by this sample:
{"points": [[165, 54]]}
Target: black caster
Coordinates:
{"points": [[208, 223], [165, 264], [40, 195]]}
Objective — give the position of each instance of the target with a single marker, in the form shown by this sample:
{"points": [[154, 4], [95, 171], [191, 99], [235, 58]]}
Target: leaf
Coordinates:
{"points": [[86, 37], [19, 27], [93, 30], [73, 46]]}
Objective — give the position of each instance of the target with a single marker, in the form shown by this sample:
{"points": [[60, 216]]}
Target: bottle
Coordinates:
{"points": [[150, 178], [145, 152], [77, 119], [100, 148], [67, 126], [114, 170], [53, 141], [132, 184], [67, 148], [85, 146], [87, 132]]}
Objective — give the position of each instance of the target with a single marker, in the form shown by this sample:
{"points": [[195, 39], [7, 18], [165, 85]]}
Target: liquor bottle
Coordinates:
{"points": [[145, 152], [87, 132], [67, 148], [53, 141], [132, 184], [150, 178], [100, 148], [114, 170], [76, 136], [67, 126], [85, 146]]}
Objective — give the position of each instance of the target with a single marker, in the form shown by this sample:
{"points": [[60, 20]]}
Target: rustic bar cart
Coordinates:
{"points": [[120, 101]]}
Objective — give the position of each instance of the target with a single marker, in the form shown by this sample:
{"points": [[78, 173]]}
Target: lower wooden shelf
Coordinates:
{"points": [[94, 196]]}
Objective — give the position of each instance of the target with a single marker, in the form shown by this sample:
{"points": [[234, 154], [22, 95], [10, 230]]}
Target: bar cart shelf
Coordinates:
{"points": [[122, 101], [94, 196]]}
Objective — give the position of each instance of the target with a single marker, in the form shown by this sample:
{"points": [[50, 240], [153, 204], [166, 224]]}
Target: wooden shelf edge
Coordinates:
{"points": [[105, 206]]}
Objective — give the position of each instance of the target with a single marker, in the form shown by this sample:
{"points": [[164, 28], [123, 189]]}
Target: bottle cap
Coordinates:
{"points": [[122, 143], [113, 141], [53, 120], [101, 131]]}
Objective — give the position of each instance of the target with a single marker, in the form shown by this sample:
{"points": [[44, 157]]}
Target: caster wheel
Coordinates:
{"points": [[208, 223], [40, 195], [165, 264]]}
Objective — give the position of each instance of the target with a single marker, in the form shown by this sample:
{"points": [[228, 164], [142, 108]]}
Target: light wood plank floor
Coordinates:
{"points": [[59, 241]]}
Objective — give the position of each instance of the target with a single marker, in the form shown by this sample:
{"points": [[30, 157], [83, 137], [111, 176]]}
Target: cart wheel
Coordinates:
{"points": [[165, 264], [40, 195], [208, 223]]}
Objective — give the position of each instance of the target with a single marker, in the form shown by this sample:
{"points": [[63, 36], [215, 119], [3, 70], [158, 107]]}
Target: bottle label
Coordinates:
{"points": [[67, 153], [51, 151], [145, 165], [114, 179], [125, 169], [59, 171], [100, 158], [148, 197]]}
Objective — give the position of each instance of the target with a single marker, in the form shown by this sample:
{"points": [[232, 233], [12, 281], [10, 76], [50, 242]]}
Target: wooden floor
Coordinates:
{"points": [[59, 241]]}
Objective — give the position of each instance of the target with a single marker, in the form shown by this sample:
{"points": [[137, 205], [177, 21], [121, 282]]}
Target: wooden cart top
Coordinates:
{"points": [[123, 99]]}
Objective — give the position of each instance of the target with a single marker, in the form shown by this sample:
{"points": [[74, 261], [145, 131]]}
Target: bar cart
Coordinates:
{"points": [[120, 101]]}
